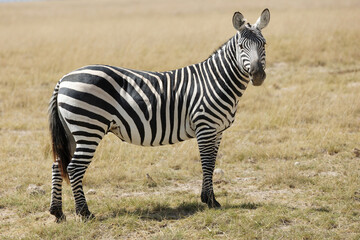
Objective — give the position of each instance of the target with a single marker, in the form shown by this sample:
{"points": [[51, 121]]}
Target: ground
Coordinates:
{"points": [[289, 167]]}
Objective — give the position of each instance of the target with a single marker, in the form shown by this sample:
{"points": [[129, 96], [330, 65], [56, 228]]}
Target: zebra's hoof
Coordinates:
{"points": [[209, 199], [84, 214], [213, 203], [89, 217], [59, 215], [61, 219]]}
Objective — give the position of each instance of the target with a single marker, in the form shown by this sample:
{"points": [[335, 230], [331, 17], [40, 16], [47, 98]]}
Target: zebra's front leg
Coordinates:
{"points": [[208, 142], [76, 171], [56, 198]]}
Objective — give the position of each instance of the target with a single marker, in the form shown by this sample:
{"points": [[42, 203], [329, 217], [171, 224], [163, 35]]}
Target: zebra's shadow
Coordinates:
{"points": [[162, 212], [159, 212], [246, 205]]}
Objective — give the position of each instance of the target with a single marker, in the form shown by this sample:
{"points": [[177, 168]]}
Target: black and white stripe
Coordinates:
{"points": [[152, 108]]}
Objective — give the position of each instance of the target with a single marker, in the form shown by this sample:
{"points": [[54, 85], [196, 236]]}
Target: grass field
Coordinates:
{"points": [[290, 161]]}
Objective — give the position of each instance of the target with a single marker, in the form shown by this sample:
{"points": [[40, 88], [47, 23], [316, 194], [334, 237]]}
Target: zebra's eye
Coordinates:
{"points": [[241, 45]]}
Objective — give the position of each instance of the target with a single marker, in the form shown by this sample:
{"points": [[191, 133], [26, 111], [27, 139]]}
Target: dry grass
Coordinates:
{"points": [[290, 167]]}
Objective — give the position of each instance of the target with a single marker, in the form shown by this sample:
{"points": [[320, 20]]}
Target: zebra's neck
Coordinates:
{"points": [[224, 63]]}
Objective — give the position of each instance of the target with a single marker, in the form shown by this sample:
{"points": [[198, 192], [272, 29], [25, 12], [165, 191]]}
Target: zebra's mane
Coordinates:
{"points": [[221, 46]]}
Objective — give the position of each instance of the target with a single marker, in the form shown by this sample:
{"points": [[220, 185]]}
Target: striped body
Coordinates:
{"points": [[151, 109]]}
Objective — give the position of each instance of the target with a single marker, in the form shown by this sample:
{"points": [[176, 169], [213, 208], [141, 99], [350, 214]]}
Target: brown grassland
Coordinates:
{"points": [[290, 161]]}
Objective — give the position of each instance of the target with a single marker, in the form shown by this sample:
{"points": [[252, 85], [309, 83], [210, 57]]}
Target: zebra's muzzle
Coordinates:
{"points": [[258, 78], [257, 74]]}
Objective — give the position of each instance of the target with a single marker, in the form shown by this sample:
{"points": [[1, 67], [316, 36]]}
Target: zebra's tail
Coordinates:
{"points": [[59, 138]]}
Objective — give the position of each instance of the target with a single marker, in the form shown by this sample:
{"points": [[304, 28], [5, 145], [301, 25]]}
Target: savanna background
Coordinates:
{"points": [[289, 166]]}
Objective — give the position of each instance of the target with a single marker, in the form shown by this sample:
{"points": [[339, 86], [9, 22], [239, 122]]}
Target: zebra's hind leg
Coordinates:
{"points": [[76, 170], [208, 141], [56, 198]]}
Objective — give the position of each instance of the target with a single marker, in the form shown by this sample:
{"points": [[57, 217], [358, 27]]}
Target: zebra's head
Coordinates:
{"points": [[250, 46]]}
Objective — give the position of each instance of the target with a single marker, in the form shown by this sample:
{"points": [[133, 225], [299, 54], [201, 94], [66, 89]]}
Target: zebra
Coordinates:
{"points": [[151, 109]]}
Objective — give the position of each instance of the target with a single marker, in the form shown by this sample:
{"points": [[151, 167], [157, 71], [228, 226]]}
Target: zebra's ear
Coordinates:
{"points": [[263, 20], [238, 21]]}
